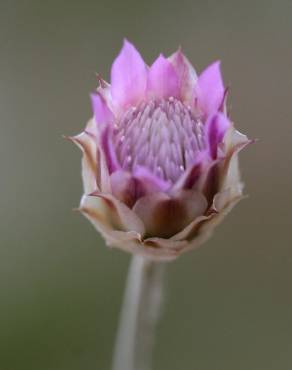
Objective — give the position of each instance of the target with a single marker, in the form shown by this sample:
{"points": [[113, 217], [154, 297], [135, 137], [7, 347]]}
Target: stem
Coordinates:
{"points": [[139, 315]]}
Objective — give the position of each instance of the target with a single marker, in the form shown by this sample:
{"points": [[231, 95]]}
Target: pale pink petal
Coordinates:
{"points": [[209, 90], [102, 113], [151, 182], [186, 74], [108, 149], [163, 80], [128, 77], [215, 129]]}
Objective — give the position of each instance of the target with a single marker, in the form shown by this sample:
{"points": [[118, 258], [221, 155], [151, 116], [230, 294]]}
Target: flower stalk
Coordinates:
{"points": [[139, 315]]}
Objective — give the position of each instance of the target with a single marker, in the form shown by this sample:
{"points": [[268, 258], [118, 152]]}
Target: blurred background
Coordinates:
{"points": [[228, 305]]}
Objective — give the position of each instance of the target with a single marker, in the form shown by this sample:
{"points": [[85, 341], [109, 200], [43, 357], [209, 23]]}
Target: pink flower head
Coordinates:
{"points": [[160, 165]]}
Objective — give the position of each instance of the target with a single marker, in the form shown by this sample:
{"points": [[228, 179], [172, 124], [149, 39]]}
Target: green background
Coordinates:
{"points": [[228, 305]]}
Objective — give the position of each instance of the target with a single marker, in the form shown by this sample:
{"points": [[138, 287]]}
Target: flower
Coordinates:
{"points": [[160, 155]]}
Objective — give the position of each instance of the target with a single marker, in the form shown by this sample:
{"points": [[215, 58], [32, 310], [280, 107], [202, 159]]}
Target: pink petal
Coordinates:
{"points": [[163, 80], [128, 77], [102, 113], [109, 150], [151, 182], [210, 89], [186, 74], [215, 129]]}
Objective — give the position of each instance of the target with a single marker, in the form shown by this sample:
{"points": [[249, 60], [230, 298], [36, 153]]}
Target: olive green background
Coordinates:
{"points": [[228, 305]]}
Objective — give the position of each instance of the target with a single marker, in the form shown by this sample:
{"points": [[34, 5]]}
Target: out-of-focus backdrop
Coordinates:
{"points": [[228, 305]]}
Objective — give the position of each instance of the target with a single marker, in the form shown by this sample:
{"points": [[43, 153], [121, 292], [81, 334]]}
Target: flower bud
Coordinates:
{"points": [[160, 156]]}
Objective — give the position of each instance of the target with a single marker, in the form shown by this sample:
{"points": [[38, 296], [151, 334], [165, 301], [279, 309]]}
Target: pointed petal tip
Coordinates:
{"points": [[101, 82], [210, 89], [128, 76], [216, 63], [127, 46], [77, 139], [66, 137], [163, 80], [102, 113], [214, 66], [179, 52], [72, 139], [127, 43], [186, 75], [215, 129]]}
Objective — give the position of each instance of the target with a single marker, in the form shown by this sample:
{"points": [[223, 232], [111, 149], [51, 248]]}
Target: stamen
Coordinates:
{"points": [[162, 135]]}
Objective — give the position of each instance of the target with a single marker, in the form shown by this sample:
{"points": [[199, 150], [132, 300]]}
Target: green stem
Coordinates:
{"points": [[139, 315]]}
